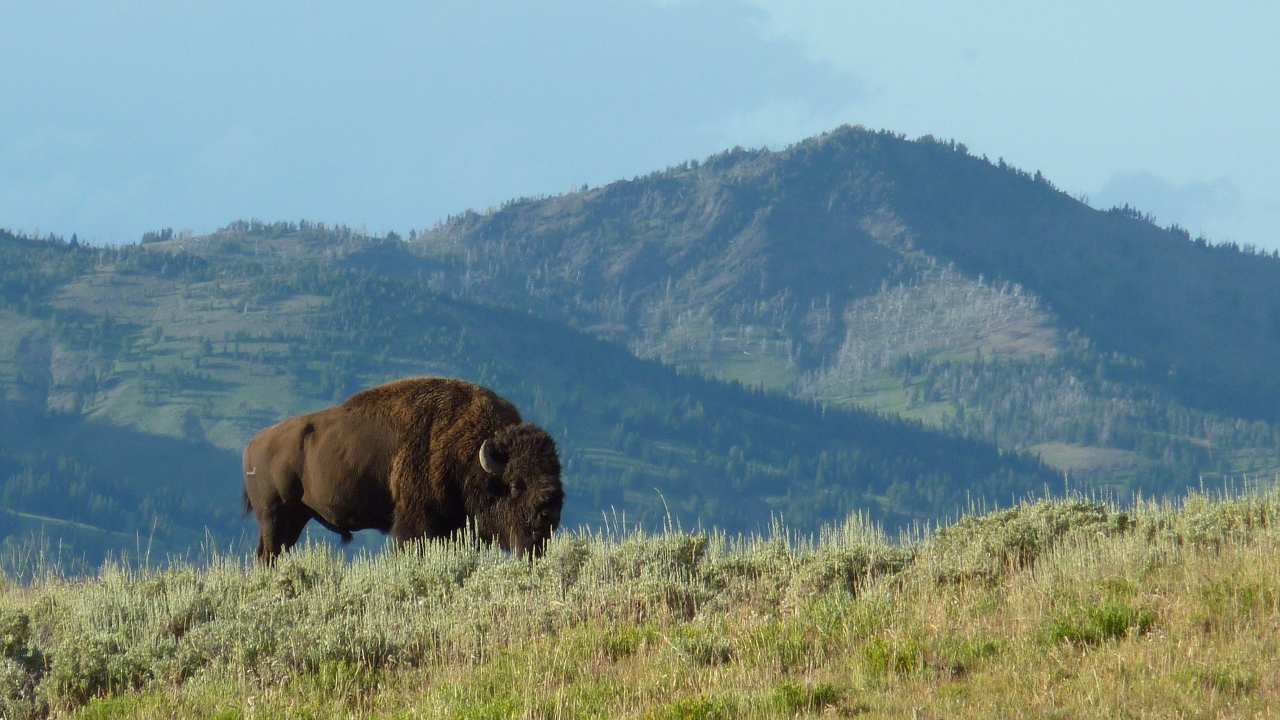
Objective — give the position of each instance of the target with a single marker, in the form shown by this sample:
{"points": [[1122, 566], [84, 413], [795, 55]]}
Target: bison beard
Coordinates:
{"points": [[414, 458]]}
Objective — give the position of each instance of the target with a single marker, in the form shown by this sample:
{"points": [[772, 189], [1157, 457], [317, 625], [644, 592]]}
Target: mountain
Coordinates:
{"points": [[862, 269], [133, 376], [856, 323]]}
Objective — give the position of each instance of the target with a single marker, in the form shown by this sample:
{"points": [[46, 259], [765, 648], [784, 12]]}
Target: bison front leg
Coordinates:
{"points": [[279, 529], [409, 527]]}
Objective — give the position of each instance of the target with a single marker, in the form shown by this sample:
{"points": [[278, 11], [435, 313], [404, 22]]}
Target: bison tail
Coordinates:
{"points": [[244, 481]]}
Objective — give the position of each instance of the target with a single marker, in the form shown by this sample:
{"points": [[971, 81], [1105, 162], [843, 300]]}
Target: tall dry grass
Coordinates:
{"points": [[1068, 608]]}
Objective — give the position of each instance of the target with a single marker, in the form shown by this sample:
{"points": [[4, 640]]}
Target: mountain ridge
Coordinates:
{"points": [[956, 208], [205, 352], [851, 324], [743, 287]]}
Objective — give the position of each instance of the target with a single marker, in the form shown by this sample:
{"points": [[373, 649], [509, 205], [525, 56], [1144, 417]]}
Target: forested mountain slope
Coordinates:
{"points": [[133, 376], [860, 268], [781, 239], [761, 334]]}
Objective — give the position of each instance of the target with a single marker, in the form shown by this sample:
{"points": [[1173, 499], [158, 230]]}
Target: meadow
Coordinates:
{"points": [[1054, 608]]}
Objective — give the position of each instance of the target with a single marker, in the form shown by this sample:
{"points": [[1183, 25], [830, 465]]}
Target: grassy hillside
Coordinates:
{"points": [[1066, 608]]}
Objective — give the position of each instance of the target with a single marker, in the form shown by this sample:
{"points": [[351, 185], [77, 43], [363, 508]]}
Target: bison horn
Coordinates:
{"points": [[490, 459]]}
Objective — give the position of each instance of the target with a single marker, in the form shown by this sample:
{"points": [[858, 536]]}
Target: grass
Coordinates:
{"points": [[1086, 458], [760, 369], [1065, 608], [887, 392]]}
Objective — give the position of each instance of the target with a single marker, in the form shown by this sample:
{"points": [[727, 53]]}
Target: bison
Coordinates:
{"points": [[413, 458]]}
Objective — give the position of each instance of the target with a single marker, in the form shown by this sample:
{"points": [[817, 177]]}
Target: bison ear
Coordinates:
{"points": [[516, 487], [492, 459]]}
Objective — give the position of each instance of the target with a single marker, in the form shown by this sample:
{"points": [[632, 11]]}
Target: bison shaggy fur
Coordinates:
{"points": [[416, 458]]}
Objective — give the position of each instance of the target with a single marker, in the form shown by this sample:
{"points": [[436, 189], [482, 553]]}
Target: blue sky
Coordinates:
{"points": [[126, 116]]}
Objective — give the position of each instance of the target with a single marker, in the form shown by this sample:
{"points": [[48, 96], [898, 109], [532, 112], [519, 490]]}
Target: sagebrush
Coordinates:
{"points": [[1067, 607]]}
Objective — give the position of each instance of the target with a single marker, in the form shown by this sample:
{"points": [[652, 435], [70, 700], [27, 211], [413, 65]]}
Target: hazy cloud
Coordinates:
{"points": [[151, 114], [1193, 204], [776, 124], [123, 117], [1076, 90]]}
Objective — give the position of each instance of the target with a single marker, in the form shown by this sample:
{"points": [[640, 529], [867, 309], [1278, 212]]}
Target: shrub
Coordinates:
{"points": [[793, 698], [958, 656], [985, 547], [623, 642], [882, 657], [85, 667], [15, 634], [844, 569], [1092, 624], [18, 696], [713, 708], [783, 646], [702, 648], [1231, 680]]}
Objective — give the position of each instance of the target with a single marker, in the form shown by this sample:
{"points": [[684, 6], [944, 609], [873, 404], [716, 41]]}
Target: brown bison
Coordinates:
{"points": [[414, 458]]}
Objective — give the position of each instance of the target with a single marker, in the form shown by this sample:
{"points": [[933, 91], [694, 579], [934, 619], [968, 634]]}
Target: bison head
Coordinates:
{"points": [[523, 459]]}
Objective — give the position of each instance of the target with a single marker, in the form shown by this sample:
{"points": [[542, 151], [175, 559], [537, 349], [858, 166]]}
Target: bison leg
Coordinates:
{"points": [[408, 526], [279, 529]]}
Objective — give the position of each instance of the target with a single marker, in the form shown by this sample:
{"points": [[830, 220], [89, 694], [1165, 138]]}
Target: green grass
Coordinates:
{"points": [[1087, 458], [1092, 624], [770, 372], [1068, 607], [886, 392]]}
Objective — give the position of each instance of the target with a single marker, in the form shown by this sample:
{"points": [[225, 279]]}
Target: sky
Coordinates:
{"points": [[122, 117]]}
